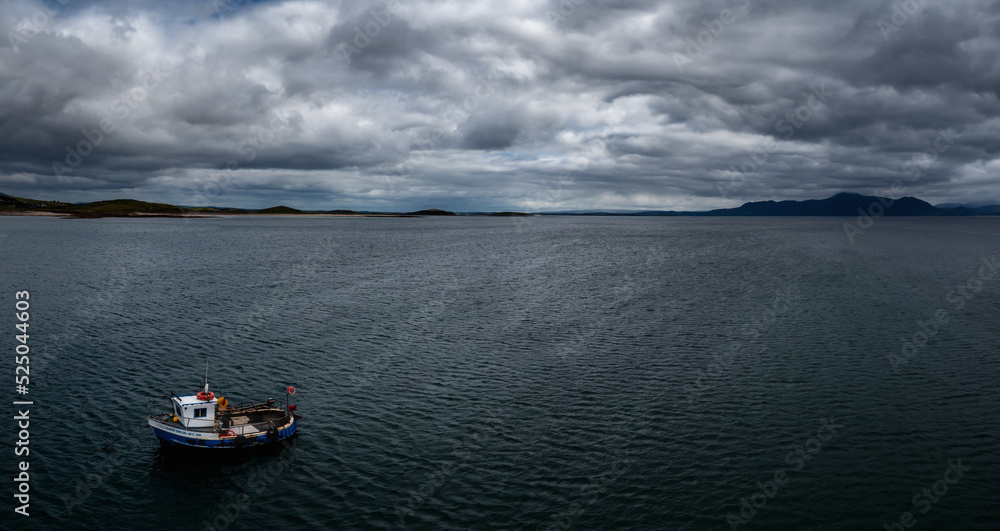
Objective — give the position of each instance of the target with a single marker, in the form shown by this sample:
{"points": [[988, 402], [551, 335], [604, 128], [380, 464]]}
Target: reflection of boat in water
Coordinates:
{"points": [[205, 422]]}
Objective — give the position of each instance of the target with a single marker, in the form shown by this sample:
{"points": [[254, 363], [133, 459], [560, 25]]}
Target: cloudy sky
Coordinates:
{"points": [[495, 105]]}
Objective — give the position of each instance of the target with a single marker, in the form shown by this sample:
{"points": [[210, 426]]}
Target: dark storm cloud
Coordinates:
{"points": [[502, 105]]}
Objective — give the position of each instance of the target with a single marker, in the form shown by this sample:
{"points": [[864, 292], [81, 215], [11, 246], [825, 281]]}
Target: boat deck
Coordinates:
{"points": [[232, 422]]}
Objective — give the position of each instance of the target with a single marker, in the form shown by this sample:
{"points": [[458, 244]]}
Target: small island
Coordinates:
{"points": [[432, 212]]}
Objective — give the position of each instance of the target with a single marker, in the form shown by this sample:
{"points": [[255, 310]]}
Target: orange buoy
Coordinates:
{"points": [[223, 402], [206, 397]]}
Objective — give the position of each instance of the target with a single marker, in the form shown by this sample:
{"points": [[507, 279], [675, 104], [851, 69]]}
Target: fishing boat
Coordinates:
{"points": [[204, 421]]}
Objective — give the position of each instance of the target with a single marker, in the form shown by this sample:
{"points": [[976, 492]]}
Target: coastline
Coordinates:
{"points": [[28, 213], [92, 215]]}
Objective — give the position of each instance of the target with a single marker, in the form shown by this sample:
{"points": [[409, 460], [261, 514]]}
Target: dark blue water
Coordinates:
{"points": [[547, 373]]}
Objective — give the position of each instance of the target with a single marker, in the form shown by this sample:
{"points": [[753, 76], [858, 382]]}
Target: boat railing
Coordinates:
{"points": [[251, 406], [166, 410]]}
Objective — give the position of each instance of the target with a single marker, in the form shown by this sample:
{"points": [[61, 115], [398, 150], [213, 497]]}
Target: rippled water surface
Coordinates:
{"points": [[542, 373]]}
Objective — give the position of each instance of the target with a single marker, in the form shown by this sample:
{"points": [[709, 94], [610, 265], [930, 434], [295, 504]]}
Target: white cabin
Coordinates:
{"points": [[193, 412]]}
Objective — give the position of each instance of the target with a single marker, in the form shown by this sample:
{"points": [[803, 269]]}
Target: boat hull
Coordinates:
{"points": [[172, 436]]}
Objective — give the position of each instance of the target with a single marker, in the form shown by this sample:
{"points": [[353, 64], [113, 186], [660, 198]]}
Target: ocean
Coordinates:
{"points": [[548, 373]]}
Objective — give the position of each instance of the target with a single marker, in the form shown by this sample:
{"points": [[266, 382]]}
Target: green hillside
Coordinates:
{"points": [[125, 206], [118, 206], [280, 209], [9, 202]]}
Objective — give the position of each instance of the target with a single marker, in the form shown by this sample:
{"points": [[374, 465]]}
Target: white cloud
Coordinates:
{"points": [[476, 105]]}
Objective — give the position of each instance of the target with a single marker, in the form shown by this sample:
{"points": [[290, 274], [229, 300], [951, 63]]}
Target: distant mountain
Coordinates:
{"points": [[992, 210], [973, 205], [982, 208], [842, 204]]}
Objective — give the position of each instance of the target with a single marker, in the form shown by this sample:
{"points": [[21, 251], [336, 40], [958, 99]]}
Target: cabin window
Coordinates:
{"points": [[201, 412]]}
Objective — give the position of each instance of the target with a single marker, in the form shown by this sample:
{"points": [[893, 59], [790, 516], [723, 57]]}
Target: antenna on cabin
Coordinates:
{"points": [[206, 375]]}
